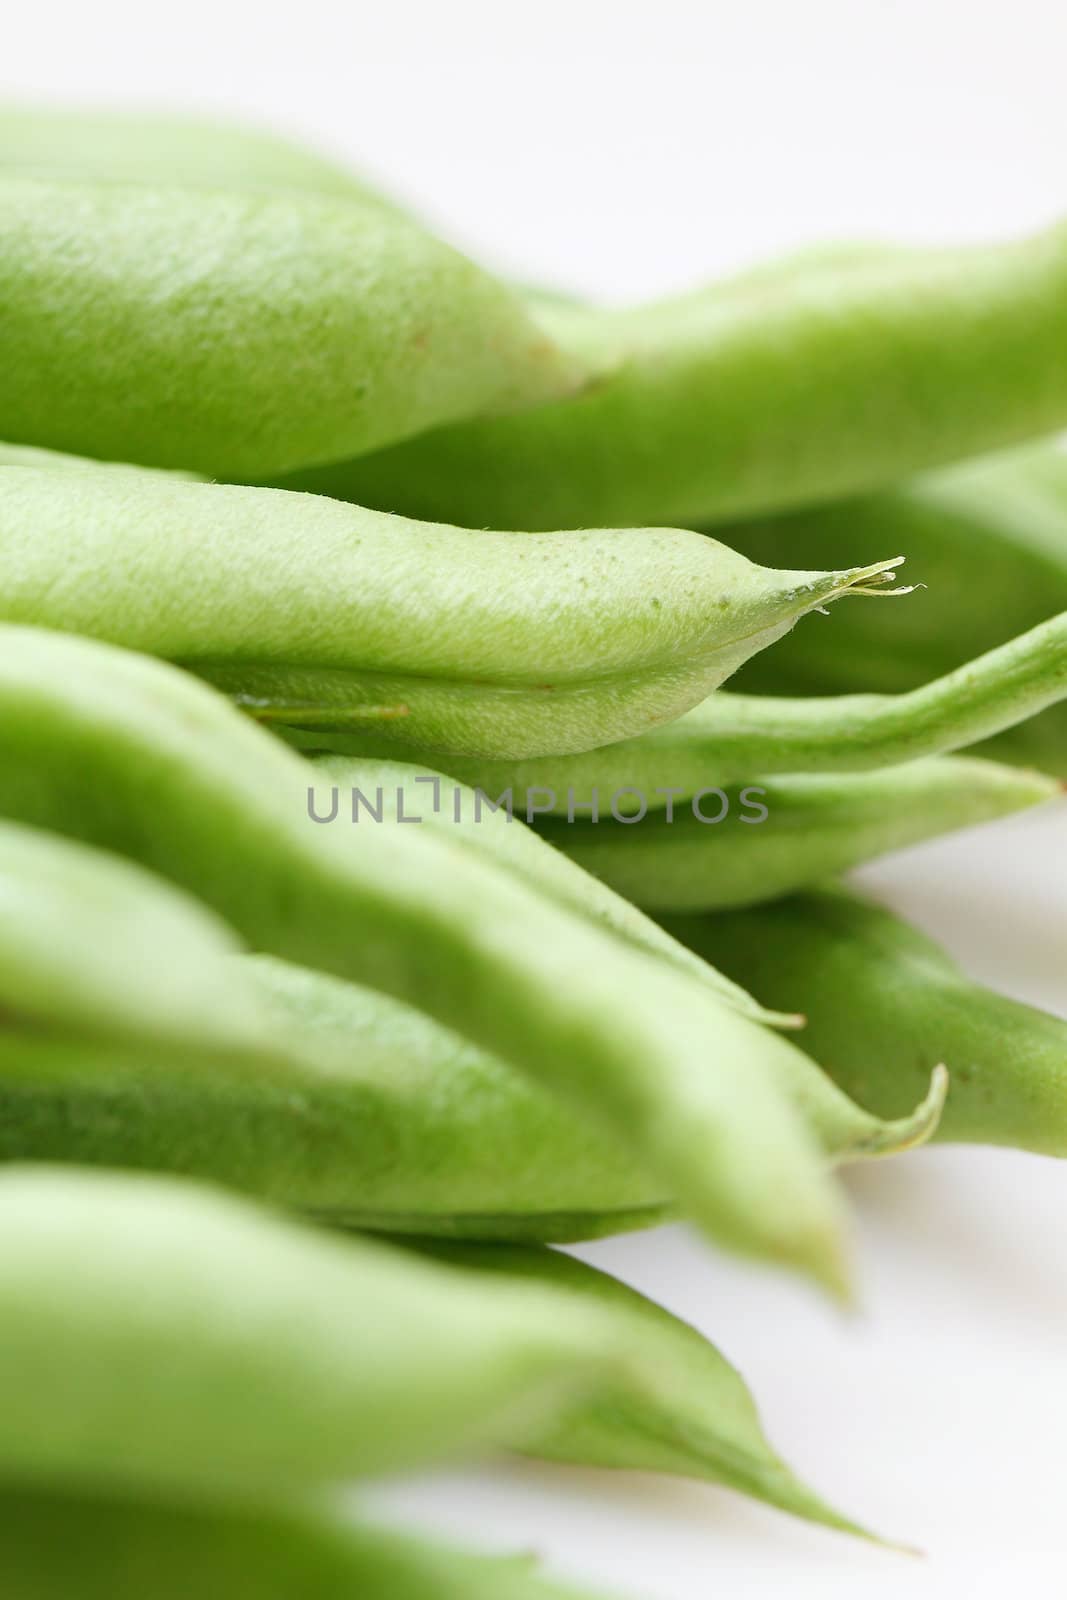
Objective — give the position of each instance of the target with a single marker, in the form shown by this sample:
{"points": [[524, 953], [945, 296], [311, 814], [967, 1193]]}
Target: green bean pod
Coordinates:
{"points": [[135, 1037], [684, 1410], [242, 333], [738, 846], [170, 1312], [58, 1543], [987, 546], [160, 1337], [314, 613], [818, 378], [131, 755], [729, 737], [883, 1002]]}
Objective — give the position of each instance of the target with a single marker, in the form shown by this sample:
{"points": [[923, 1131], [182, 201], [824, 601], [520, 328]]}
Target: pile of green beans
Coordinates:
{"points": [[390, 892], [306, 1090]]}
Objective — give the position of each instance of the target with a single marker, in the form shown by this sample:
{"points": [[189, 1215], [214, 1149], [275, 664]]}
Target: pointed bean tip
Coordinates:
{"points": [[828, 1263]]}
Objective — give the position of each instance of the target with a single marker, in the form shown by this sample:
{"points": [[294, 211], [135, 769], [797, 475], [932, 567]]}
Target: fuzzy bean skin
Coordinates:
{"points": [[58, 1544], [729, 737], [124, 147], [816, 826], [884, 1001], [158, 1337], [832, 377], [988, 541], [309, 611], [131, 755], [243, 333], [684, 1411]]}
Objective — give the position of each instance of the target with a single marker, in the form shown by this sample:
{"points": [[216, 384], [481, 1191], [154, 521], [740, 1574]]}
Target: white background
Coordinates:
{"points": [[628, 150]]}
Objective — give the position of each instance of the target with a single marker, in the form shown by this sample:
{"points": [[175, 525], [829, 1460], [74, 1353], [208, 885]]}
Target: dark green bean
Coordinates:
{"points": [[884, 1002], [58, 1544]]}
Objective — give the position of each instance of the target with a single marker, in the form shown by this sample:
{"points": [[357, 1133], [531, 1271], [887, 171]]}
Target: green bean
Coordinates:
{"points": [[58, 1544], [131, 755], [390, 789], [135, 1037], [576, 1366], [684, 1409], [160, 1337], [242, 333], [736, 847], [883, 1000], [832, 376], [310, 612], [160, 148], [1001, 522], [730, 737], [93, 949], [686, 1413]]}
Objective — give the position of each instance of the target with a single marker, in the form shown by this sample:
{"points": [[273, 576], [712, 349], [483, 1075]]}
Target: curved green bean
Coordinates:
{"points": [[736, 847], [830, 375], [135, 1037], [58, 1544], [315, 613], [989, 544], [160, 1337], [883, 1001], [729, 738], [684, 1410], [241, 333], [129, 754]]}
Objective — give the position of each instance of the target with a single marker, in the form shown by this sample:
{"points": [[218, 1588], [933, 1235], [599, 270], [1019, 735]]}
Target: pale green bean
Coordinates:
{"points": [[315, 613]]}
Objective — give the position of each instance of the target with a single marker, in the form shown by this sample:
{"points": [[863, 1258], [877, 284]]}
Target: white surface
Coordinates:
{"points": [[627, 149]]}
